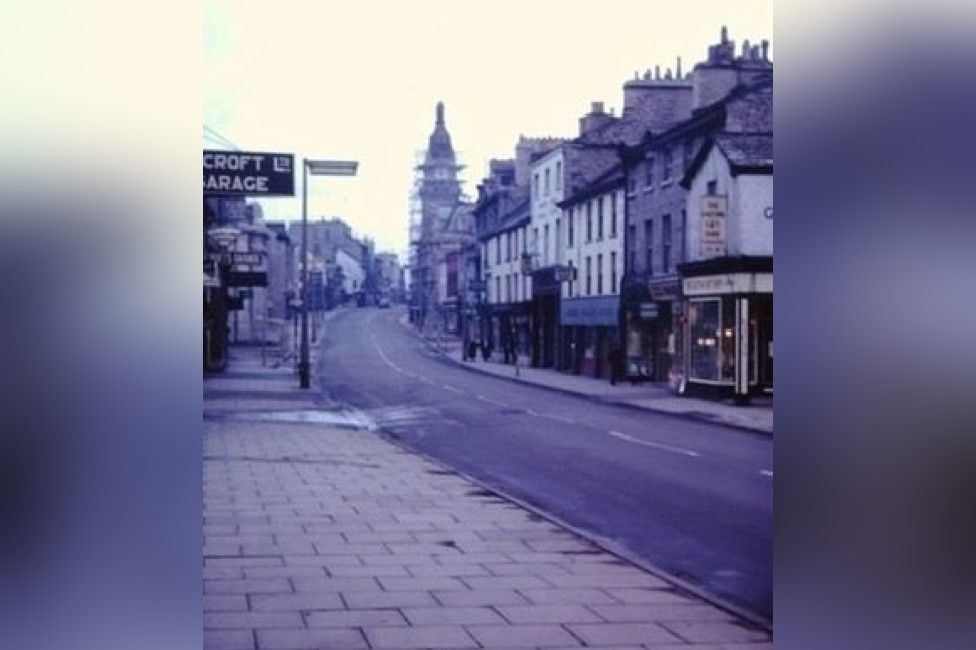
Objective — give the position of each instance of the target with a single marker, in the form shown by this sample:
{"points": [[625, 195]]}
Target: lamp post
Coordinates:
{"points": [[315, 168]]}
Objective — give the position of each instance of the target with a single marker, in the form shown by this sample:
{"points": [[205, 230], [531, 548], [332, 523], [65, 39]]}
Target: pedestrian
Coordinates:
{"points": [[614, 364]]}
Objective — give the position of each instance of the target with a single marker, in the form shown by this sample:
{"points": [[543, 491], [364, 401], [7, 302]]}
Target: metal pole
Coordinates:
{"points": [[303, 364]]}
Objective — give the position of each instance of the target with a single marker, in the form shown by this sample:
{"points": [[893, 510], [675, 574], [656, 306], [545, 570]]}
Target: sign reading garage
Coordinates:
{"points": [[248, 173]]}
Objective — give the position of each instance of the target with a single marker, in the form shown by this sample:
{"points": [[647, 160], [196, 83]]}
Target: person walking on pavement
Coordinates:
{"points": [[614, 359]]}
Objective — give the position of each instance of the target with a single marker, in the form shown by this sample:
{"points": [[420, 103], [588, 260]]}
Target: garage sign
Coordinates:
{"points": [[248, 173]]}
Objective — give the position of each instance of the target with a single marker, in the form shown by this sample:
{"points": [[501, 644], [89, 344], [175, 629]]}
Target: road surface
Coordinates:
{"points": [[692, 498]]}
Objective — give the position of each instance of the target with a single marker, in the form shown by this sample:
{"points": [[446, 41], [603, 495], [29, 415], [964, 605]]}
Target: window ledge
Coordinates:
{"points": [[667, 183]]}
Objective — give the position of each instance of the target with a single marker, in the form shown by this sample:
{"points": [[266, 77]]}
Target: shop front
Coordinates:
{"points": [[545, 316], [728, 327], [650, 309], [509, 332], [590, 332]]}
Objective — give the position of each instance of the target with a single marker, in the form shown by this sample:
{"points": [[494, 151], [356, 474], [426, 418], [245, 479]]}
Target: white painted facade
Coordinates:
{"points": [[505, 280], [749, 222], [352, 271], [597, 226], [546, 226]]}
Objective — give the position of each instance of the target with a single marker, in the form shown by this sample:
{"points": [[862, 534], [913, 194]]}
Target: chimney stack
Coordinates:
{"points": [[745, 49], [657, 72], [677, 73], [725, 35], [596, 107], [765, 50]]}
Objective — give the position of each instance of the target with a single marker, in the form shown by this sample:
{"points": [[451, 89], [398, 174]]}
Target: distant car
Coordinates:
{"points": [[383, 302]]}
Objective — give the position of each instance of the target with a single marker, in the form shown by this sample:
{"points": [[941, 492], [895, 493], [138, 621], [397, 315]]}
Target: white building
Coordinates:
{"points": [[594, 250], [352, 272], [728, 281]]}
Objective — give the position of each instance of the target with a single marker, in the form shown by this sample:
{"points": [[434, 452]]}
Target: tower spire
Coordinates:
{"points": [[440, 113]]}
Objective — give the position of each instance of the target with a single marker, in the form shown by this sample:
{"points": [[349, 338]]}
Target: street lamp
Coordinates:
{"points": [[316, 168]]}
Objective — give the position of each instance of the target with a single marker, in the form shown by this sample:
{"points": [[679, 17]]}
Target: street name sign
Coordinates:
{"points": [[248, 173]]}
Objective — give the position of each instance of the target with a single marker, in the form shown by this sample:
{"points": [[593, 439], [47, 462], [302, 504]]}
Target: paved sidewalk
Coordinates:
{"points": [[332, 537], [755, 417]]}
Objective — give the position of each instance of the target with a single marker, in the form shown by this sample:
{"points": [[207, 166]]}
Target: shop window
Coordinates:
{"points": [[704, 328], [711, 328]]}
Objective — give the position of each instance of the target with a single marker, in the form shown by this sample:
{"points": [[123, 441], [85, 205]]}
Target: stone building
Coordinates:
{"points": [[726, 94]]}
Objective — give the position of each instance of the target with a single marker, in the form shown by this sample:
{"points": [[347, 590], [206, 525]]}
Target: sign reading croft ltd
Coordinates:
{"points": [[248, 173]]}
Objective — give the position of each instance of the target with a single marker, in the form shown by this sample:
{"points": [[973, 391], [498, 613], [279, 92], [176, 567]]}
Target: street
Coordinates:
{"points": [[691, 498]]}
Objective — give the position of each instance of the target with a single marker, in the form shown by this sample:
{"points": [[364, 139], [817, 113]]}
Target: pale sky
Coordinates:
{"points": [[359, 80]]}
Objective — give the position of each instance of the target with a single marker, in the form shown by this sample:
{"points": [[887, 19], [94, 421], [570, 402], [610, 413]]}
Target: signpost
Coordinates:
{"points": [[246, 173]]}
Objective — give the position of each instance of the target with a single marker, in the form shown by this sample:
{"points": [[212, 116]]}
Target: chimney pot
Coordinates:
{"points": [[725, 34], [677, 73], [765, 50], [667, 75], [657, 72], [745, 48], [596, 107]]}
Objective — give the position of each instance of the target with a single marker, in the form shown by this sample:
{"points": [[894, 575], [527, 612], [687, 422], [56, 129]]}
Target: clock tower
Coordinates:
{"points": [[440, 189]]}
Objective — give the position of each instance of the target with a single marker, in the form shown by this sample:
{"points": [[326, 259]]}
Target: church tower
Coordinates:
{"points": [[440, 189]]}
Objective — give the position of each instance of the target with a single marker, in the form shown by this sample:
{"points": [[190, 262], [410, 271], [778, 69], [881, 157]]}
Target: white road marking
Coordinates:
{"points": [[490, 401], [551, 417], [452, 388], [658, 445], [766, 472]]}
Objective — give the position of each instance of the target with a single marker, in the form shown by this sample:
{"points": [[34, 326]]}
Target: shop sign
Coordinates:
{"points": [[237, 258], [667, 289], [562, 273], [714, 285], [712, 237], [648, 310], [248, 173], [603, 310]]}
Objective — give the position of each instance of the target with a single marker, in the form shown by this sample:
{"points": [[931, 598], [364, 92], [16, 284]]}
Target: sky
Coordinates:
{"points": [[360, 80]]}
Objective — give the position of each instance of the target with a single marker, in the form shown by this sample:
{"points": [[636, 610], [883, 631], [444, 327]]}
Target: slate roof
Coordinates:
{"points": [[746, 153], [746, 149]]}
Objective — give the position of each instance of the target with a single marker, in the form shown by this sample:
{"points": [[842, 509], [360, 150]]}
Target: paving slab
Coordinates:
{"points": [[320, 536]]}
